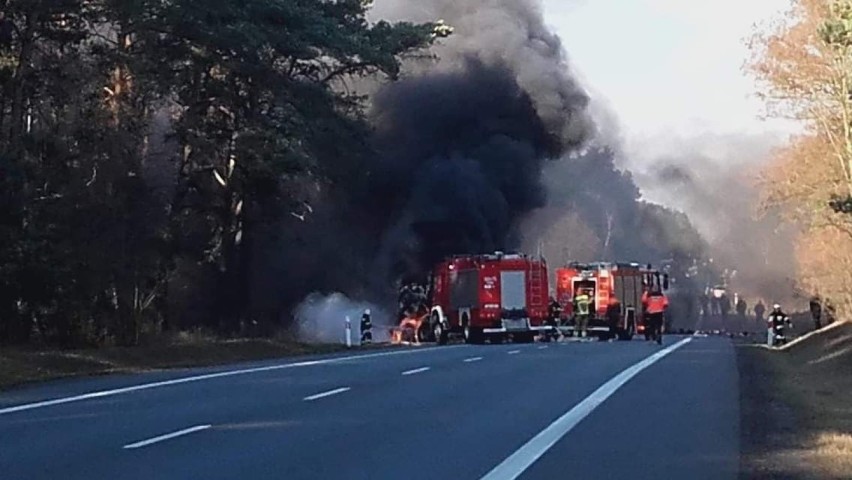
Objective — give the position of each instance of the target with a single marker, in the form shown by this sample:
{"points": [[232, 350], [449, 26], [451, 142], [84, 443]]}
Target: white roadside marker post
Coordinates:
{"points": [[348, 332]]}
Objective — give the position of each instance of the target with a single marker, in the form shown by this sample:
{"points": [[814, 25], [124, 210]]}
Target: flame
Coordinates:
{"points": [[406, 332]]}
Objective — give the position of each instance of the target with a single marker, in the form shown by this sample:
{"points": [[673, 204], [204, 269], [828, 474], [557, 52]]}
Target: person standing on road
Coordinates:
{"points": [[830, 312], [742, 308], [581, 312], [816, 311], [553, 315], [777, 321], [654, 304], [759, 310], [366, 327], [725, 305], [613, 313], [742, 313]]}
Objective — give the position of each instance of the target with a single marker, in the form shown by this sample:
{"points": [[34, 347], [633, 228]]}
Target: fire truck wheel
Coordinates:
{"points": [[472, 335], [439, 333]]}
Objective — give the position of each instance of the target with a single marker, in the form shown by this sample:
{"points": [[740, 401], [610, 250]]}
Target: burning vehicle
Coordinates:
{"points": [[495, 297]]}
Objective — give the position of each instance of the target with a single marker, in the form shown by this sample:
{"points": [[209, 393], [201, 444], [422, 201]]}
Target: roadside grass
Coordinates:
{"points": [[21, 365], [797, 407]]}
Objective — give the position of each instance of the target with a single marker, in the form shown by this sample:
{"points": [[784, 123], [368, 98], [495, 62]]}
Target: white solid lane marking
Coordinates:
{"points": [[513, 352], [416, 370], [168, 436], [198, 378], [327, 394], [518, 462], [472, 359]]}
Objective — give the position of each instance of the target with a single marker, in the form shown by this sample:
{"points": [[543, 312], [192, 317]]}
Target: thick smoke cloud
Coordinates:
{"points": [[512, 33], [470, 146], [462, 143], [485, 149], [460, 146], [713, 179], [591, 198]]}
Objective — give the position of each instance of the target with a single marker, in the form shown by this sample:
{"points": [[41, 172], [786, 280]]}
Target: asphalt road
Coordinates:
{"points": [[540, 411]]}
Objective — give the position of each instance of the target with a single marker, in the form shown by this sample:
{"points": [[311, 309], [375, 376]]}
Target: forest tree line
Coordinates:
{"points": [[804, 61], [144, 143], [208, 163]]}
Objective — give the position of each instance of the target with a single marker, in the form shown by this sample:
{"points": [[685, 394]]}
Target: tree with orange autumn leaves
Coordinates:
{"points": [[804, 61]]}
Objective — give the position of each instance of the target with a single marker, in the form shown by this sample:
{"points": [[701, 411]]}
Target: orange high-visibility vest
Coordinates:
{"points": [[655, 304]]}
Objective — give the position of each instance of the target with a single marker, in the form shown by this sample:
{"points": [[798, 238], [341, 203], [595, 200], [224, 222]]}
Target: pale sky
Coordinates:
{"points": [[666, 66]]}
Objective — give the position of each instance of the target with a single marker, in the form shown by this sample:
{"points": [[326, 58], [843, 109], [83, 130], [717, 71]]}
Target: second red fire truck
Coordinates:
{"points": [[616, 295]]}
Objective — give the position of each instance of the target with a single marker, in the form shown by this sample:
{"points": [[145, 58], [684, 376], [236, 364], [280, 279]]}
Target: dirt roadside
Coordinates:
{"points": [[796, 408], [21, 365]]}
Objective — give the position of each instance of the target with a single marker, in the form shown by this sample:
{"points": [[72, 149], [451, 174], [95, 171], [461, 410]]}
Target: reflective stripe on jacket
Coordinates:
{"points": [[582, 302]]}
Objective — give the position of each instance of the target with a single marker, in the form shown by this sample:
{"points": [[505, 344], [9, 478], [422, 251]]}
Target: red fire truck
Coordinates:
{"points": [[489, 296], [616, 291]]}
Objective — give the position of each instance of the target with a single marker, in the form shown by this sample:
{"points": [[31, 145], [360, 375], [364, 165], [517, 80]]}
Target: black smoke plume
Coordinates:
{"points": [[461, 157], [459, 148]]}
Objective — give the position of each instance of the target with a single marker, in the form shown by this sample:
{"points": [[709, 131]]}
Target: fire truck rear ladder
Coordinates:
{"points": [[537, 293], [536, 285]]}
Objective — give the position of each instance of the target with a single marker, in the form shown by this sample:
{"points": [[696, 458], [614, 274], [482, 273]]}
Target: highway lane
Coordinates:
{"points": [[679, 419], [453, 412]]}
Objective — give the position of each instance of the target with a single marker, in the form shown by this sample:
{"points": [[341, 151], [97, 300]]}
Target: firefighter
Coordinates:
{"points": [[366, 327], [777, 322], [581, 312], [613, 313], [816, 311], [654, 304], [554, 314]]}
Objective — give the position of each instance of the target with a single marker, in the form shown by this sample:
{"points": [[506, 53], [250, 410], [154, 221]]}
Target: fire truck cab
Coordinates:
{"points": [[493, 297], [616, 291]]}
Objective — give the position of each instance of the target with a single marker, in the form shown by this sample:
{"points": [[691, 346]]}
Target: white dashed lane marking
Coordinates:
{"points": [[168, 436], [327, 394]]}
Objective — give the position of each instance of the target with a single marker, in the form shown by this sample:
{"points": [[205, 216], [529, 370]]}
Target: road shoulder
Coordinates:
{"points": [[796, 420], [21, 366]]}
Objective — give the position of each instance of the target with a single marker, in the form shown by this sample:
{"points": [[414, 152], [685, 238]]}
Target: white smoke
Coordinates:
{"points": [[322, 319]]}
